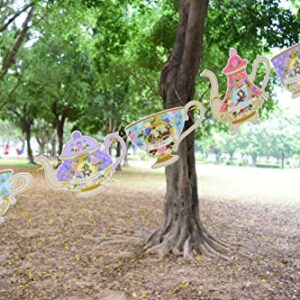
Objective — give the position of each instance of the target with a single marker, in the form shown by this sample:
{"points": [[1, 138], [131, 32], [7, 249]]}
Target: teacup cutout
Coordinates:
{"points": [[287, 66], [9, 190], [85, 168], [160, 134]]}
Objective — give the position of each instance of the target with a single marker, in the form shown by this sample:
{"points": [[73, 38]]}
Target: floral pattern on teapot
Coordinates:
{"points": [[85, 166], [287, 66]]}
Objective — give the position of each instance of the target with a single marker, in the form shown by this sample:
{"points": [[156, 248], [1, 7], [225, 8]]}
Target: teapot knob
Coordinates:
{"points": [[233, 52], [76, 135]]}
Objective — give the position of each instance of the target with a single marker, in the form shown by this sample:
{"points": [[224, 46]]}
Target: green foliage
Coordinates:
{"points": [[275, 138], [97, 64]]}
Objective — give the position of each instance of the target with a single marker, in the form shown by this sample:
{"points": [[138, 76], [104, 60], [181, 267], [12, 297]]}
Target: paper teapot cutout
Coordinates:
{"points": [[243, 98], [287, 66], [85, 168], [9, 189]]}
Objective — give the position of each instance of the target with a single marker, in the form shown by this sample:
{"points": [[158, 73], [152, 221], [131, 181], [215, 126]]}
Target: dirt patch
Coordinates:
{"points": [[55, 246]]}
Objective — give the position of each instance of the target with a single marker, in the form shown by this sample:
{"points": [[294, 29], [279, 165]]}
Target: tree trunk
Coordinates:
{"points": [[119, 168], [126, 163], [42, 148], [218, 157], [182, 231], [27, 131], [282, 161], [254, 160], [42, 144], [53, 147], [60, 133]]}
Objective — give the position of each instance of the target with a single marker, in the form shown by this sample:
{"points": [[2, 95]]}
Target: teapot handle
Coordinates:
{"points": [[200, 106], [107, 144], [26, 179], [257, 61]]}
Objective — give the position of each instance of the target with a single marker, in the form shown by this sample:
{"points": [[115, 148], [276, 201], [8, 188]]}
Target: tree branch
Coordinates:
{"points": [[11, 55], [17, 14], [4, 102]]}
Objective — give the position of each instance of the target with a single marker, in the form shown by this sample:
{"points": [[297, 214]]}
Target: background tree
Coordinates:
{"points": [[182, 230]]}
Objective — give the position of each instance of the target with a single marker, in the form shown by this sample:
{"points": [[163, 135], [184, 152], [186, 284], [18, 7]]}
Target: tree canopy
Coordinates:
{"points": [[96, 64]]}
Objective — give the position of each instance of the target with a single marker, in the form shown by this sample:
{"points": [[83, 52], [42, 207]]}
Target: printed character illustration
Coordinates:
{"points": [[297, 68], [293, 64], [159, 132], [86, 171], [241, 96]]}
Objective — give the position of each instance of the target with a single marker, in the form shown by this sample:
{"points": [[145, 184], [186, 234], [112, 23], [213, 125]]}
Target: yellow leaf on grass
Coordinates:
{"points": [[134, 295], [263, 280]]}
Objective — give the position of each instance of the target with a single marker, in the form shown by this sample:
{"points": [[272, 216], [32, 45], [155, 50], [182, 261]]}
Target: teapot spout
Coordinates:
{"points": [[214, 92], [215, 101], [49, 172]]}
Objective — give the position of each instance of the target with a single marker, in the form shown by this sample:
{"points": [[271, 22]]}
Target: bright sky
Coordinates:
{"points": [[286, 103]]}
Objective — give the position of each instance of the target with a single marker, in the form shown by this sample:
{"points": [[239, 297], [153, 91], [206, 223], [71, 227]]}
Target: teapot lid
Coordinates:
{"points": [[78, 145], [235, 62]]}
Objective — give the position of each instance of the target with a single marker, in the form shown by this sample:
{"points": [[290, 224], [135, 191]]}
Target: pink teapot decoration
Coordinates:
{"points": [[243, 98]]}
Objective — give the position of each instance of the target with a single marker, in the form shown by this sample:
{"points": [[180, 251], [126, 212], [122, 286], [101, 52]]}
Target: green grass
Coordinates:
{"points": [[17, 163]]}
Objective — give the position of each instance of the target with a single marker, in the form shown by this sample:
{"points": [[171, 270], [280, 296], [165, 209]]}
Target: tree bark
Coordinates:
{"points": [[282, 161], [53, 147], [182, 231], [119, 167], [254, 160], [42, 144], [60, 133], [126, 162], [27, 131]]}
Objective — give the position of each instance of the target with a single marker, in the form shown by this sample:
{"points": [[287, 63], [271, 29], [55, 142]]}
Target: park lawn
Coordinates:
{"points": [[17, 163], [215, 181], [56, 246], [242, 184], [230, 183]]}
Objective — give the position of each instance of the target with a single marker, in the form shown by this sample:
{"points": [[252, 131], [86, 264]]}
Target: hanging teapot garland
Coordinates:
{"points": [[243, 98]]}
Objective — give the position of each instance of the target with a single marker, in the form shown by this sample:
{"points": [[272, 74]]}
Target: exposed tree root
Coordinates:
{"points": [[185, 240]]}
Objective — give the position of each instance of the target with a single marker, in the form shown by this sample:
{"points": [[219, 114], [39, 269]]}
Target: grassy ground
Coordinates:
{"points": [[16, 163], [56, 246], [240, 183]]}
